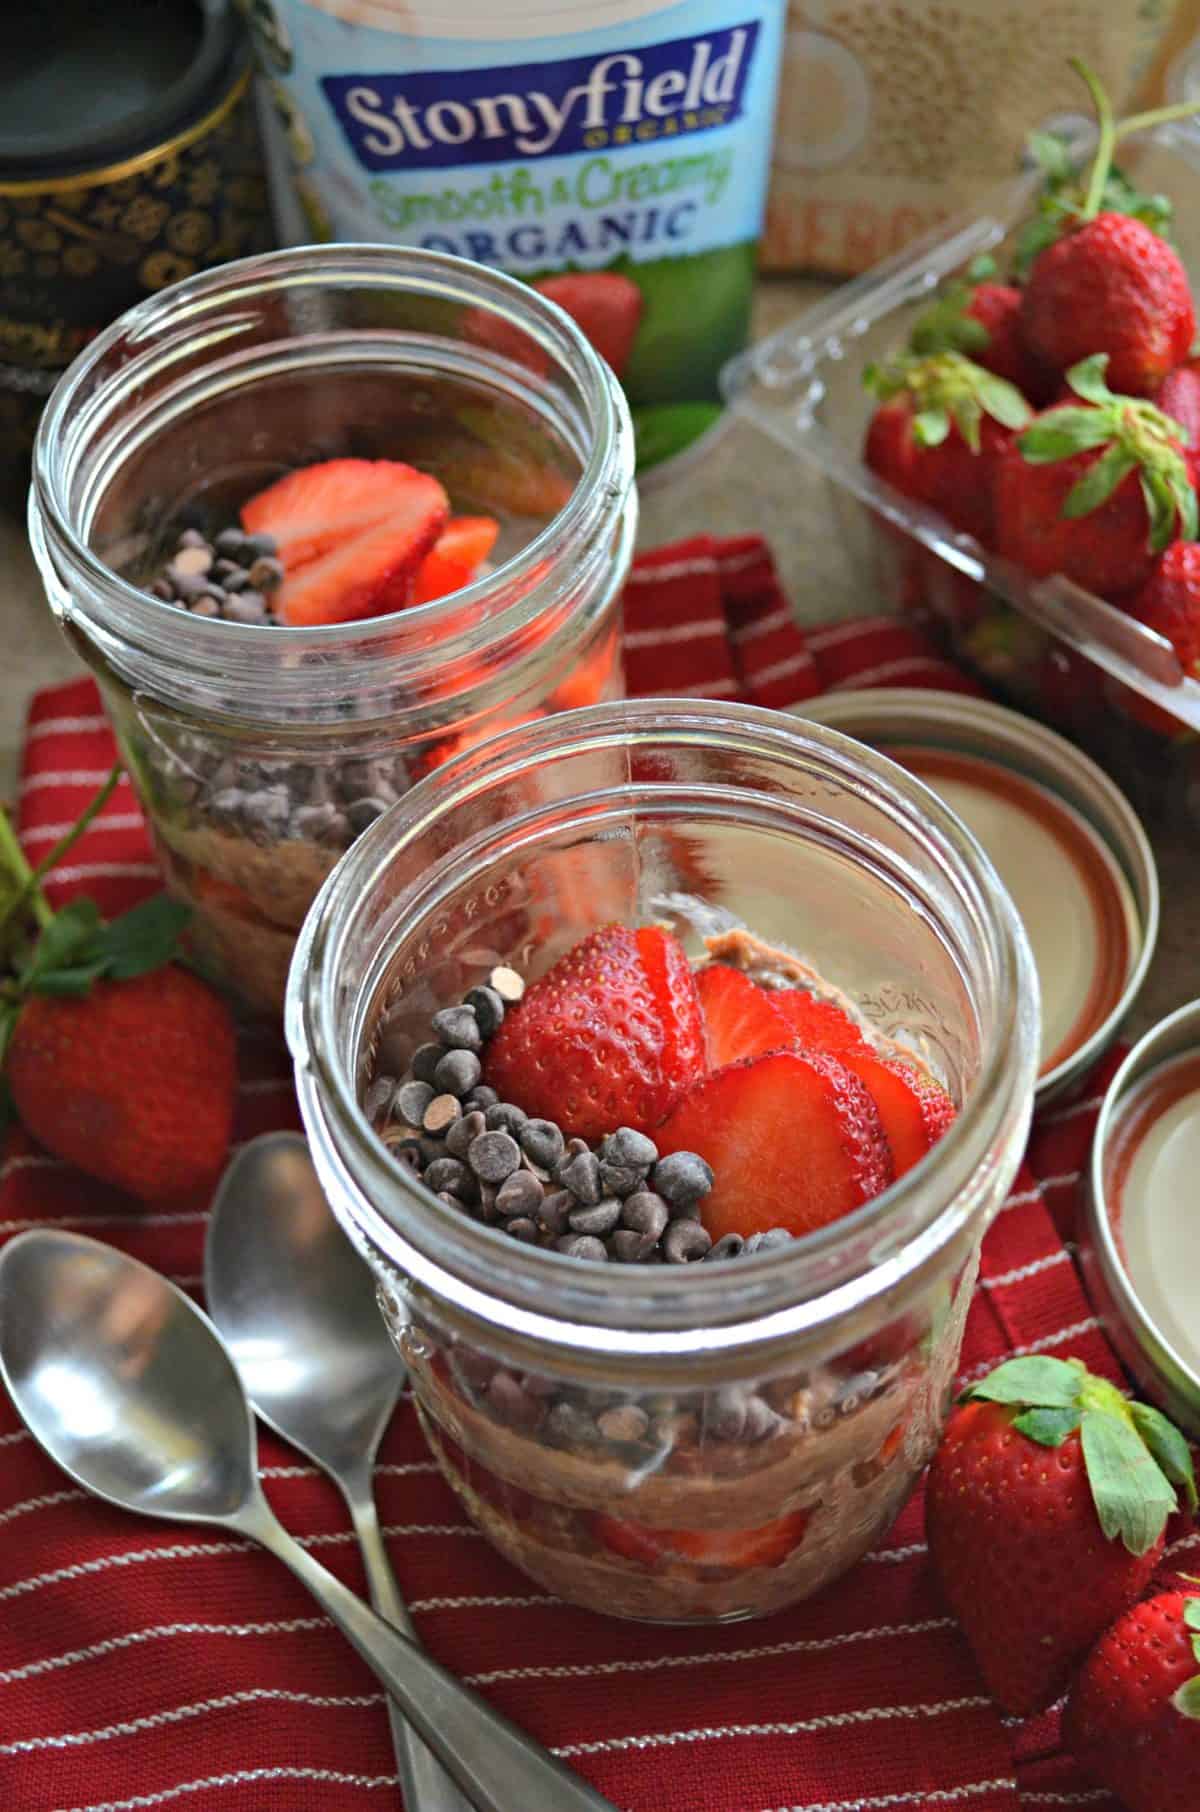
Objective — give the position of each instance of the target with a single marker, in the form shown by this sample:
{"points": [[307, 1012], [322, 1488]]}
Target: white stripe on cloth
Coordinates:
{"points": [[112, 1645], [56, 777], [834, 634], [698, 631], [107, 871], [774, 619], [1023, 1273], [1047, 1797], [331, 1777], [110, 821], [178, 1714], [83, 1569], [791, 663], [880, 1802], [736, 563], [190, 1218], [703, 564], [1054, 1116], [885, 1632], [722, 688], [887, 671], [719, 1733], [1058, 1338], [66, 726]]}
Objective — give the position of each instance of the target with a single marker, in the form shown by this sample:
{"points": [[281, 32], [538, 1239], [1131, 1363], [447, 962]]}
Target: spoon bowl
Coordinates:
{"points": [[123, 1380], [296, 1307]]}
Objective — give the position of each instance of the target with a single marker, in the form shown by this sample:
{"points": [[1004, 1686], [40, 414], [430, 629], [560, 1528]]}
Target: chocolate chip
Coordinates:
{"points": [[378, 1095], [363, 812], [395, 1049], [458, 1072], [619, 1180], [194, 560], [571, 1427], [505, 1116], [426, 1058], [626, 1423], [761, 1420], [521, 1194], [512, 1402], [725, 1413], [483, 1097], [599, 1218], [770, 1241], [225, 807], [728, 1246], [457, 1029], [446, 1175], [681, 1178], [507, 984], [228, 573], [583, 1245], [488, 1008], [493, 1156], [205, 606], [162, 590], [441, 1113], [213, 590], [230, 542], [462, 1134], [191, 537], [252, 546], [685, 1241], [630, 1247], [266, 813], [553, 1210], [412, 1098], [629, 1147], [542, 1142], [522, 1228], [646, 1213], [266, 574], [581, 1175], [247, 608], [321, 824]]}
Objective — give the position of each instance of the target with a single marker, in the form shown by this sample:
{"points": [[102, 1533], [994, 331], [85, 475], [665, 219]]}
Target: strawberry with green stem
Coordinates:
{"points": [[941, 423], [1095, 489], [1046, 1509], [1133, 1717], [115, 1057], [980, 317], [1110, 283]]}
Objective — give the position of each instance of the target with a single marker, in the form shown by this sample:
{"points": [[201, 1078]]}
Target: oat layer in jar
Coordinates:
{"points": [[679, 1442], [262, 748]]}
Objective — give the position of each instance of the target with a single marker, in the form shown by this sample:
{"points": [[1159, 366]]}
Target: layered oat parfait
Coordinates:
{"points": [[317, 522], [666, 1062]]}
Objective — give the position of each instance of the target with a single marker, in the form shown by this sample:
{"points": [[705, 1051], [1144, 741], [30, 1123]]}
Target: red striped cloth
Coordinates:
{"points": [[146, 1665]]}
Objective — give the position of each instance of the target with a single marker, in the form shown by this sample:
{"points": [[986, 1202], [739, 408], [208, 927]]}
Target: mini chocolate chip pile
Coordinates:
{"points": [[233, 577], [616, 1200]]}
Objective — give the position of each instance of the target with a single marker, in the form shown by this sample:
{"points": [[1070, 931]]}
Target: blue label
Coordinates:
{"points": [[436, 119]]}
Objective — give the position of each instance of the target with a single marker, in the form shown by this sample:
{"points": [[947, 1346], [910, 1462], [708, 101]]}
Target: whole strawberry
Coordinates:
{"points": [[1169, 602], [982, 318], [612, 1035], [1045, 1512], [941, 424], [1110, 284], [1093, 489], [132, 1081], [1133, 1718]]}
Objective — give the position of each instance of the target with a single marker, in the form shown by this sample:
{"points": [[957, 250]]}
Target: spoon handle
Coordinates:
{"points": [[423, 1781], [498, 1768]]}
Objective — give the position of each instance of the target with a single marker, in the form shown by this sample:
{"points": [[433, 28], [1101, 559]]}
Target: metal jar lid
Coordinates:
{"points": [[1134, 1323], [107, 79], [956, 723]]}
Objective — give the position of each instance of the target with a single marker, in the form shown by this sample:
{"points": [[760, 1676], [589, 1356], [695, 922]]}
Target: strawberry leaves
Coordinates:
{"points": [[1134, 436], [948, 389], [77, 948], [1136, 1460], [1187, 1699]]}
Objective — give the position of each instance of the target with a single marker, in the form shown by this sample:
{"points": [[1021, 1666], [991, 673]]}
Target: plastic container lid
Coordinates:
{"points": [[108, 80]]}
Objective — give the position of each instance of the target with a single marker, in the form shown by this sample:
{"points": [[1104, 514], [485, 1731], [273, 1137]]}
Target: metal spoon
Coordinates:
{"points": [[126, 1384], [295, 1305]]}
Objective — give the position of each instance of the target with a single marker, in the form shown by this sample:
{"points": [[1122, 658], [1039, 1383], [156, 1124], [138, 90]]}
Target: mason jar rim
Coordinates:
{"points": [[516, 594], [545, 1297]]}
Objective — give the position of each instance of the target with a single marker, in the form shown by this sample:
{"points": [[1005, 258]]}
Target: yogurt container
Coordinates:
{"points": [[615, 152]]}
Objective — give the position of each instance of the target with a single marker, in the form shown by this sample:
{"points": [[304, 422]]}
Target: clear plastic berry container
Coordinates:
{"points": [[693, 1442], [260, 751], [1046, 645]]}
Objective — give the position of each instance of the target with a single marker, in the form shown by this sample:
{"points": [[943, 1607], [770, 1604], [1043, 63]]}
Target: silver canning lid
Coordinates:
{"points": [[1132, 1322], [965, 725]]}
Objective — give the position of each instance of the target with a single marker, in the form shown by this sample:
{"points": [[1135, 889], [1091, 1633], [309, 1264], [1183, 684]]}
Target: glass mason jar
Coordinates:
{"points": [[705, 1441], [259, 752]]}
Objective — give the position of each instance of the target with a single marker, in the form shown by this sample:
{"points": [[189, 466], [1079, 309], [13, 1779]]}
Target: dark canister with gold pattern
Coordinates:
{"points": [[129, 157]]}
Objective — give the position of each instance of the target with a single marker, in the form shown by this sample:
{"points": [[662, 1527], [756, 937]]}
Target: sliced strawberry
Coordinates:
{"points": [[673, 985], [766, 1546], [606, 305], [817, 1024], [455, 558], [914, 1111], [740, 1016], [316, 508], [794, 1140], [354, 578], [599, 1041]]}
